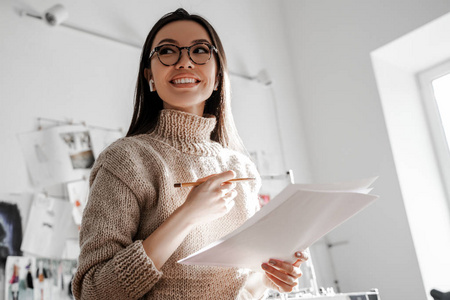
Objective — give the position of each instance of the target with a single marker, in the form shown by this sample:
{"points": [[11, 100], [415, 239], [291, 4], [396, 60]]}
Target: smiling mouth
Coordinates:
{"points": [[184, 81]]}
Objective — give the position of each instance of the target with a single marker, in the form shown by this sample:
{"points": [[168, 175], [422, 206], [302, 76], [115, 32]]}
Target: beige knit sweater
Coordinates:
{"points": [[132, 193]]}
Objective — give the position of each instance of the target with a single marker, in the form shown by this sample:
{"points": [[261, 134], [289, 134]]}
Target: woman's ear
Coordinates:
{"points": [[216, 84], [147, 74]]}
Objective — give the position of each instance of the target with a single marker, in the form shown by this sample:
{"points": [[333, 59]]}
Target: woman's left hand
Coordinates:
{"points": [[282, 276]]}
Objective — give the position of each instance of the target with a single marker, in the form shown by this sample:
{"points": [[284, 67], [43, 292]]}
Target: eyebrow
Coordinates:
{"points": [[171, 41], [167, 41], [201, 41]]}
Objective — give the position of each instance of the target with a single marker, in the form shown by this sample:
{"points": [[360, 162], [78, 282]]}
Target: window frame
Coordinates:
{"points": [[440, 145]]}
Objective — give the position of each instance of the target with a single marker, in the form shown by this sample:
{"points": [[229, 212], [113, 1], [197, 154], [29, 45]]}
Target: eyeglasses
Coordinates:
{"points": [[170, 55]]}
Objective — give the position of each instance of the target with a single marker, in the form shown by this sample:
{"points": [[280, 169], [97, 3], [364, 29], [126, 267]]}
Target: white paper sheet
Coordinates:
{"points": [[49, 225], [78, 192], [295, 219]]}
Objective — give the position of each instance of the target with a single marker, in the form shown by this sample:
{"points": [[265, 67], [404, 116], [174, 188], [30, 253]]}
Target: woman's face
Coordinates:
{"points": [[184, 86]]}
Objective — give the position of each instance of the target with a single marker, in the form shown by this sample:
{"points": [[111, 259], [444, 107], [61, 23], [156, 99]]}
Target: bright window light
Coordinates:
{"points": [[441, 88], [435, 86]]}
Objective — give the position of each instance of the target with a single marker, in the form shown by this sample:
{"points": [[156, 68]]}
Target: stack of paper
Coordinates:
{"points": [[295, 219]]}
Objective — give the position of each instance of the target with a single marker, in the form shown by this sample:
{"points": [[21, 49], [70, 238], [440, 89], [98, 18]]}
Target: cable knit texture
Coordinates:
{"points": [[132, 193]]}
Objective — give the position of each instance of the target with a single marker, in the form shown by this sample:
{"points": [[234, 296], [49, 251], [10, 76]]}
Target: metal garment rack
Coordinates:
{"points": [[289, 173]]}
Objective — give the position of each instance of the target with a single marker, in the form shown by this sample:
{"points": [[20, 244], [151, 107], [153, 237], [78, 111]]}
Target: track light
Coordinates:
{"points": [[58, 15]]}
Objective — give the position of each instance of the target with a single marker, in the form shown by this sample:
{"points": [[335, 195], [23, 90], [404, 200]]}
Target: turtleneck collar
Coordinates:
{"points": [[187, 132]]}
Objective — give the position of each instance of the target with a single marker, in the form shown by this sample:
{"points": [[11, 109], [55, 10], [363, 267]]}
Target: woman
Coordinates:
{"points": [[136, 225]]}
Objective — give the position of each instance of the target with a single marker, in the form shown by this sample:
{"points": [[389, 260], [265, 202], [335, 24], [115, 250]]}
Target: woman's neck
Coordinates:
{"points": [[194, 109]]}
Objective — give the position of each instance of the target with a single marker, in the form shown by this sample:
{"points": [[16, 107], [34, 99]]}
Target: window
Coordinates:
{"points": [[441, 88], [405, 70], [435, 86]]}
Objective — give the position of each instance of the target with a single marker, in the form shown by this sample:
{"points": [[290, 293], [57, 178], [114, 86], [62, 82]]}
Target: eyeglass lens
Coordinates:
{"points": [[198, 53]]}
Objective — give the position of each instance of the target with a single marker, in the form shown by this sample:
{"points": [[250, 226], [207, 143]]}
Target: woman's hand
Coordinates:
{"points": [[282, 276], [212, 199]]}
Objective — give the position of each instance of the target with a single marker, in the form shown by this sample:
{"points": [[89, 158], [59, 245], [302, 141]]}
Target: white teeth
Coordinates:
{"points": [[184, 80]]}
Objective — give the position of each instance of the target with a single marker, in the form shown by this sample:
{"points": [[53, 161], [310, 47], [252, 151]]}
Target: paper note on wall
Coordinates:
{"points": [[50, 224]]}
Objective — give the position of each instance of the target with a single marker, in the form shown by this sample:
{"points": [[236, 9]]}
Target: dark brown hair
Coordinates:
{"points": [[147, 105]]}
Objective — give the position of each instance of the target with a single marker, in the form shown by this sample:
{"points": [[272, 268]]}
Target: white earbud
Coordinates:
{"points": [[151, 83]]}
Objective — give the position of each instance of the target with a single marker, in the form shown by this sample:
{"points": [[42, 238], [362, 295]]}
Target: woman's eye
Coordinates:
{"points": [[166, 51], [200, 50]]}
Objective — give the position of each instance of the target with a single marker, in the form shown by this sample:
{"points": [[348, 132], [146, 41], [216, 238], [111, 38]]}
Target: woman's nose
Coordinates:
{"points": [[185, 61]]}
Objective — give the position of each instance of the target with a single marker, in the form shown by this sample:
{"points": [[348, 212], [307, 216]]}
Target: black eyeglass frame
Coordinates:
{"points": [[156, 49]]}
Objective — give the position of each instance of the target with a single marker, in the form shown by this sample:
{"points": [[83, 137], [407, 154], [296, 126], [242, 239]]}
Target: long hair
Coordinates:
{"points": [[147, 105]]}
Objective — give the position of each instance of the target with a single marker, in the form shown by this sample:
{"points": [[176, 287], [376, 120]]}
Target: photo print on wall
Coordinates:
{"points": [[79, 149]]}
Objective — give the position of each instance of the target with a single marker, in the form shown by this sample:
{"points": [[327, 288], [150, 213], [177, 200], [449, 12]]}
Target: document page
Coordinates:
{"points": [[295, 219]]}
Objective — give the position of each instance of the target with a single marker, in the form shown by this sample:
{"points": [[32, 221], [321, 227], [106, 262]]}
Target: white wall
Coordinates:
{"points": [[59, 74], [346, 134]]}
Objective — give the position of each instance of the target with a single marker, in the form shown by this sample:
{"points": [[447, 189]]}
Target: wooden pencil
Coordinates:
{"points": [[187, 184]]}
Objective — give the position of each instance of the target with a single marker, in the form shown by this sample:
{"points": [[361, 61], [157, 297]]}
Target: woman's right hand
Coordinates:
{"points": [[210, 200]]}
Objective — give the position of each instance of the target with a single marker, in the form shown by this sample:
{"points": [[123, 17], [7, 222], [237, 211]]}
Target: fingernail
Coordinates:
{"points": [[264, 266], [272, 262], [298, 254]]}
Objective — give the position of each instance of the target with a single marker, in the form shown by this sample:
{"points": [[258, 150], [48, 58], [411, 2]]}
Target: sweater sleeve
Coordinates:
{"points": [[111, 264]]}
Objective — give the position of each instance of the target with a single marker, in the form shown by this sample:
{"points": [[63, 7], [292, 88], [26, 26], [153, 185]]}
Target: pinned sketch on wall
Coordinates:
{"points": [[30, 278], [19, 283], [14, 210], [78, 194], [10, 236], [23, 202], [50, 224], [54, 278], [10, 232], [60, 154], [57, 154], [78, 148], [42, 281]]}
